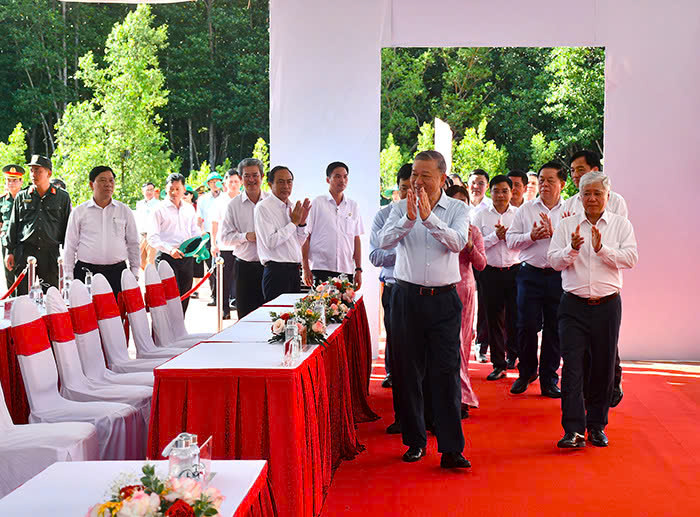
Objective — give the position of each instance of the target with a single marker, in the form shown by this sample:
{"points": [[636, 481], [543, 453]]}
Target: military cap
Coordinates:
{"points": [[14, 171], [41, 161]]}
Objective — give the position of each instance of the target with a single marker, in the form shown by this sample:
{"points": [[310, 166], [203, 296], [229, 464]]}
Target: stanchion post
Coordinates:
{"points": [[31, 272], [220, 293], [61, 275]]}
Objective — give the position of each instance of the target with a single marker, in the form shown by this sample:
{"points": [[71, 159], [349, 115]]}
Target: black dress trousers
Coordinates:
{"points": [[112, 272], [591, 330], [249, 294], [426, 343], [229, 278], [323, 275], [184, 271], [280, 278], [500, 292]]}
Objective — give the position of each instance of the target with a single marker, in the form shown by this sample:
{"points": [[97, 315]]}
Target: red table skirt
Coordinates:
{"points": [[258, 502], [11, 380], [359, 350]]}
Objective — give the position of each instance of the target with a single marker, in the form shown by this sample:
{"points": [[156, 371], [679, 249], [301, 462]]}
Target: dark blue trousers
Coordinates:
{"points": [[279, 278], [539, 292], [425, 343]]}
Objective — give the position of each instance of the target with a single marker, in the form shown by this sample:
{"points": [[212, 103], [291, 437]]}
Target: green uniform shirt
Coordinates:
{"points": [[5, 211], [38, 221]]}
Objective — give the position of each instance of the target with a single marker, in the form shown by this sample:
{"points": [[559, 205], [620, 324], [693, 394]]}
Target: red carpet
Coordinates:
{"points": [[652, 466]]}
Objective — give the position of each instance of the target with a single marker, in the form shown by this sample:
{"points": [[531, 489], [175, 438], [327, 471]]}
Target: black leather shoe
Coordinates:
{"points": [[394, 428], [464, 411], [552, 391], [226, 316], [497, 373], [413, 454], [521, 384], [617, 395], [571, 441], [212, 303], [386, 383], [454, 460], [597, 437], [510, 364]]}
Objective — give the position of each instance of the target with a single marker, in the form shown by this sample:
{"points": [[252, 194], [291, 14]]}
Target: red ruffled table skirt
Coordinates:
{"points": [[258, 502], [11, 380], [302, 420]]}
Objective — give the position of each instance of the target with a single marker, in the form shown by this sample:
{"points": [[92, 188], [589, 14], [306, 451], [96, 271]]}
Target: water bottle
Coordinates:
{"points": [[291, 332], [320, 309], [36, 294], [65, 293], [183, 456], [88, 281]]}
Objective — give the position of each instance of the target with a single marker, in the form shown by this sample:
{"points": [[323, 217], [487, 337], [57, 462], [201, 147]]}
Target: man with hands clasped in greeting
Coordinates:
{"points": [[428, 230], [280, 231], [591, 250]]}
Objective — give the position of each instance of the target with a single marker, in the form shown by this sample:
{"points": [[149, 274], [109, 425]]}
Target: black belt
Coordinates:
{"points": [[545, 270], [80, 263], [284, 264], [595, 301], [251, 262], [423, 290], [503, 268]]}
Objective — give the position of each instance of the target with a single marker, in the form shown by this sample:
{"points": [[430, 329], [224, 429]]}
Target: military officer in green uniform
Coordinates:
{"points": [[13, 184], [37, 226]]}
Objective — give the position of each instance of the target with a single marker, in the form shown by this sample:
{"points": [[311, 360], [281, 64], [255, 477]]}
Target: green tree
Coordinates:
{"points": [[262, 153], [541, 151], [474, 151], [119, 126], [390, 161], [14, 151], [426, 138]]}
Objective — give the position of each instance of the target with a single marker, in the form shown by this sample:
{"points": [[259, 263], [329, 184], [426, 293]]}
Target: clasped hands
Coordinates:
{"points": [[300, 212], [543, 230], [577, 239], [423, 208]]}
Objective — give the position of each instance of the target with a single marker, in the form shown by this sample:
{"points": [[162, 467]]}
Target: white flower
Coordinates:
{"points": [[278, 326], [141, 505], [215, 497], [186, 489]]}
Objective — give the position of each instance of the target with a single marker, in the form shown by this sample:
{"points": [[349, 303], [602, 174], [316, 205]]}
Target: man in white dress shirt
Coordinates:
{"points": [[280, 231], [238, 231], [591, 250], [519, 179], [205, 214], [582, 163], [144, 212], [334, 228], [478, 183], [174, 222], [539, 286], [101, 234], [498, 277], [232, 188], [428, 230]]}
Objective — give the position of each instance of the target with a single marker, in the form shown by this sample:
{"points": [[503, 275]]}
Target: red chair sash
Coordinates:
{"points": [[30, 338], [170, 288], [105, 306], [155, 295], [133, 299], [60, 327], [83, 318]]}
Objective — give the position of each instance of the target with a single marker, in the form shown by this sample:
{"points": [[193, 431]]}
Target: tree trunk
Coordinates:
{"points": [[194, 160], [65, 56], [212, 143], [224, 148]]}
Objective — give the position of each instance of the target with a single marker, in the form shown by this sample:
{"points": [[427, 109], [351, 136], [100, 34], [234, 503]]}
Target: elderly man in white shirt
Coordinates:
{"points": [[174, 222], [238, 231], [280, 231], [101, 234], [539, 286], [428, 230], [591, 250], [334, 228], [144, 212], [498, 277]]}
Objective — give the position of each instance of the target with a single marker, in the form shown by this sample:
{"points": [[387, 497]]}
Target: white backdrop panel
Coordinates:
{"points": [[325, 87]]}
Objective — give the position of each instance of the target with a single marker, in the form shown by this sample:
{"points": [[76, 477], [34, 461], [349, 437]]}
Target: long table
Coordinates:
{"points": [[301, 418], [67, 489]]}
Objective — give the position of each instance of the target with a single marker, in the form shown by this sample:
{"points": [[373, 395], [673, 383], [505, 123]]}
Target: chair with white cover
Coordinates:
{"points": [[120, 428], [138, 321], [172, 299], [112, 334], [26, 450], [163, 334], [74, 384]]}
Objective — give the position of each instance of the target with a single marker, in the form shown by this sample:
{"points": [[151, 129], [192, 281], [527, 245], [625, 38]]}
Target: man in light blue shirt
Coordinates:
{"points": [[386, 260], [428, 230]]}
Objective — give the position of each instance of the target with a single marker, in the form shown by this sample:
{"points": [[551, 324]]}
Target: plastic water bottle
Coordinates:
{"points": [[320, 308], [66, 289], [36, 294], [88, 281], [291, 333]]}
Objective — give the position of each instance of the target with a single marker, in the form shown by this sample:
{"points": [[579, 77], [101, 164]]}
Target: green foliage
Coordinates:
{"points": [[390, 161], [426, 138], [119, 126], [262, 153], [14, 151], [541, 151], [474, 151]]}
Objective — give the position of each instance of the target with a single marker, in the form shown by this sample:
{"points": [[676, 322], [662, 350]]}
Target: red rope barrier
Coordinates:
{"points": [[199, 284], [15, 285]]}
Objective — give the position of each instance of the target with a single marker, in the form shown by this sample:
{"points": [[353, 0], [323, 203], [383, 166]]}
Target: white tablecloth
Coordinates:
{"points": [[286, 299], [70, 489]]}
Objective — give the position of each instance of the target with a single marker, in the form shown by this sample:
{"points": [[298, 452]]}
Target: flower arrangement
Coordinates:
{"points": [[175, 497]]}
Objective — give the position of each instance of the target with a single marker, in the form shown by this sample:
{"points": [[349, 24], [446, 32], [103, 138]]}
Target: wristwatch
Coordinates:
{"points": [[358, 269]]}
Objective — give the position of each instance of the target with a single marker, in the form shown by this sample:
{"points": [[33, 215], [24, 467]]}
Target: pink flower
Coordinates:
{"points": [[301, 327], [278, 326], [140, 505], [318, 327], [215, 497], [186, 489], [334, 307], [319, 288]]}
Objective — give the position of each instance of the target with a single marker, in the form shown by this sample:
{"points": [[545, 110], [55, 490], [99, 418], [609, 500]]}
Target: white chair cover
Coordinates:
{"points": [[138, 321], [172, 299], [74, 384], [163, 334], [112, 334], [120, 429], [26, 450]]}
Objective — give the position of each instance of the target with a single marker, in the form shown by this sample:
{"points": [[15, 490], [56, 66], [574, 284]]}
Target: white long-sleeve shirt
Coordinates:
{"points": [[616, 205], [278, 238], [144, 213], [171, 226], [238, 220], [586, 273], [498, 254], [518, 235], [103, 236]]}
